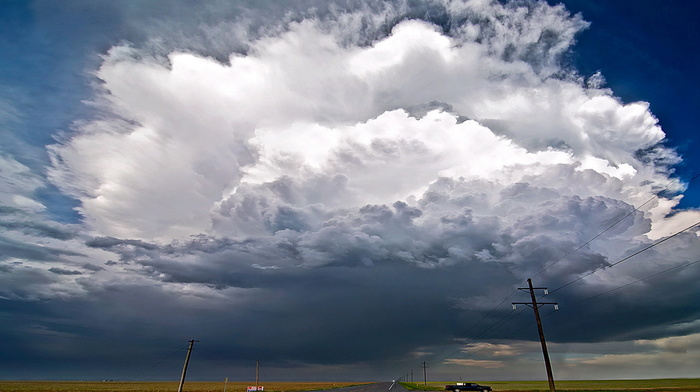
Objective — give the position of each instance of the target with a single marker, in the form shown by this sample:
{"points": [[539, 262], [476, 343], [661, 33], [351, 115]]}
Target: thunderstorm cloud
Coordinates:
{"points": [[350, 184]]}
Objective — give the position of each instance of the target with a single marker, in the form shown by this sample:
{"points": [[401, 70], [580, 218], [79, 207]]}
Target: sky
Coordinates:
{"points": [[344, 190]]}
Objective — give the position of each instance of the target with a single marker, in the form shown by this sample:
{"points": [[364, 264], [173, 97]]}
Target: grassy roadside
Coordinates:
{"points": [[100, 386], [662, 385], [412, 386], [658, 385]]}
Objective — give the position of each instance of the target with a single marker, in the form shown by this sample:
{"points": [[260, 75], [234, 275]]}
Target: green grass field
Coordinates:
{"points": [[661, 385]]}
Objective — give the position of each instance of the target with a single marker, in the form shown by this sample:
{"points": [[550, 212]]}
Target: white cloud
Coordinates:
{"points": [[476, 363], [676, 356], [309, 103], [493, 350], [18, 184], [674, 344]]}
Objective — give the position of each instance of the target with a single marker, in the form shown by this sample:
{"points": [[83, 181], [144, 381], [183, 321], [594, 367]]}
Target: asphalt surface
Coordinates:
{"points": [[375, 387]]}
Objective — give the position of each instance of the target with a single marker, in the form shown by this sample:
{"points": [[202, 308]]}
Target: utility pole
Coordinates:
{"points": [[411, 375], [535, 306], [425, 373], [184, 368], [257, 373]]}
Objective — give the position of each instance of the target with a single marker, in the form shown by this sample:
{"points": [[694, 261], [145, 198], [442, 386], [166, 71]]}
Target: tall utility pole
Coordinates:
{"points": [[535, 306], [411, 375], [184, 368], [425, 372], [257, 373]]}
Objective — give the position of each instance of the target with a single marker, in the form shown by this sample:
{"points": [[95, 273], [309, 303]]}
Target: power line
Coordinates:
{"points": [[628, 257], [567, 307], [578, 279], [491, 311], [630, 283], [493, 326], [156, 364], [424, 365], [536, 306], [506, 336], [509, 316], [442, 356], [613, 225], [568, 254], [187, 361]]}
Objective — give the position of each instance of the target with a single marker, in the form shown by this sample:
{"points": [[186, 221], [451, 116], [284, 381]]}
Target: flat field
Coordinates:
{"points": [[111, 386], [660, 385]]}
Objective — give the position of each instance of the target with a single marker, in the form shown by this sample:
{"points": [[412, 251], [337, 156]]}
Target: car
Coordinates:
{"points": [[467, 386]]}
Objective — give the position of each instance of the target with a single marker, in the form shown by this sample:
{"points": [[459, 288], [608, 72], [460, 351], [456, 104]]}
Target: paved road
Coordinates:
{"points": [[375, 387]]}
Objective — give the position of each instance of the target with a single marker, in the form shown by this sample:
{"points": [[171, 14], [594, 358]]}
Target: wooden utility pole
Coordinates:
{"points": [[535, 306], [425, 373], [184, 368], [257, 373]]}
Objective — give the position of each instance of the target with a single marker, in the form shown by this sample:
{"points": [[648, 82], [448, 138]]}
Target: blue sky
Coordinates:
{"points": [[333, 170], [646, 50]]}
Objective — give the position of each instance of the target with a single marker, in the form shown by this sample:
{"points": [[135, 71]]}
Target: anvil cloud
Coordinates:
{"points": [[350, 188]]}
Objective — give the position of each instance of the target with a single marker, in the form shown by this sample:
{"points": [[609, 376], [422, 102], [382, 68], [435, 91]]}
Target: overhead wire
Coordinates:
{"points": [[679, 266], [567, 307], [627, 257], [157, 363], [442, 356], [584, 276], [510, 316], [655, 196]]}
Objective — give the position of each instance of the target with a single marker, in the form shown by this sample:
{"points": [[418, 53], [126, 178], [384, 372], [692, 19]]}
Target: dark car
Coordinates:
{"points": [[467, 386]]}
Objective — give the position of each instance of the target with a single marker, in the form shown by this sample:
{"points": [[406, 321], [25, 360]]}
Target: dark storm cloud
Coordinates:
{"points": [[39, 229], [357, 273], [10, 248], [92, 267], [22, 283], [5, 210], [63, 271], [292, 313], [111, 242], [629, 313]]}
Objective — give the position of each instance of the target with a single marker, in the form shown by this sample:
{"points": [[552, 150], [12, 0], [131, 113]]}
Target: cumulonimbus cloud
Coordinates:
{"points": [[323, 154], [331, 174], [308, 106]]}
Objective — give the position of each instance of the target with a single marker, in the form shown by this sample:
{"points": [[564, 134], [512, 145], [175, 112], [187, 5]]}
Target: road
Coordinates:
{"points": [[376, 387]]}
